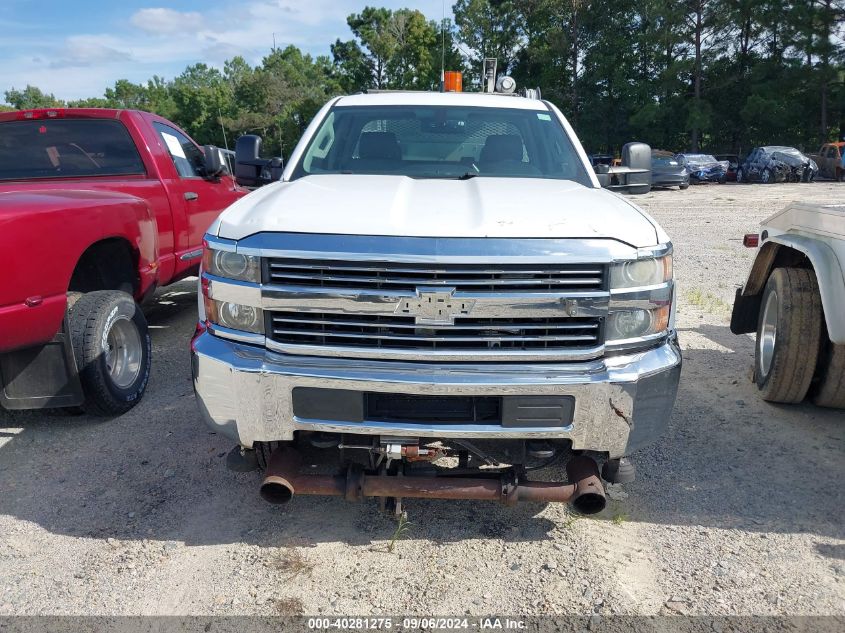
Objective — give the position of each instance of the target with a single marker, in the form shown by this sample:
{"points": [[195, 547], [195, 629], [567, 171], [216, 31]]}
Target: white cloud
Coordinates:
{"points": [[161, 21], [89, 50]]}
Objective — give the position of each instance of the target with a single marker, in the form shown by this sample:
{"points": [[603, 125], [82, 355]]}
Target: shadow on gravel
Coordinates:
{"points": [[158, 473], [729, 460]]}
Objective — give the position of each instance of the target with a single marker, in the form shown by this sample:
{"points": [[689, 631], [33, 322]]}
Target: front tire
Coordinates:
{"points": [[767, 177], [789, 333], [112, 347], [683, 187]]}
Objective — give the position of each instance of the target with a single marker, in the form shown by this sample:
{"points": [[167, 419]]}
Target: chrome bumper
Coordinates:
{"points": [[621, 402]]}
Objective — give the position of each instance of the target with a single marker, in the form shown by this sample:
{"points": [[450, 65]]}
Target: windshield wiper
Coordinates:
{"points": [[467, 175]]}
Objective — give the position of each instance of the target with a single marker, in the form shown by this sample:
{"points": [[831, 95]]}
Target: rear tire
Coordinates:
{"points": [[112, 347], [740, 175], [789, 333], [830, 391]]}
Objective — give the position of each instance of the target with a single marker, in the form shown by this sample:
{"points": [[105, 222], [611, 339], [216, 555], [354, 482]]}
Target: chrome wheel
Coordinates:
{"points": [[123, 352], [767, 337]]}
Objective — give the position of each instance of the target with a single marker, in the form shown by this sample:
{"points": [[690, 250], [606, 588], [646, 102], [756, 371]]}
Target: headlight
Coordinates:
{"points": [[628, 324], [231, 265], [235, 316], [641, 272]]}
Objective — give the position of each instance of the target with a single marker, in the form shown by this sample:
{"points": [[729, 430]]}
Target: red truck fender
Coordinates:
{"points": [[45, 251]]}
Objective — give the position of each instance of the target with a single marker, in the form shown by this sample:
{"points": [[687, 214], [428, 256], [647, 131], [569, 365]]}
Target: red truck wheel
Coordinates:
{"points": [[112, 347]]}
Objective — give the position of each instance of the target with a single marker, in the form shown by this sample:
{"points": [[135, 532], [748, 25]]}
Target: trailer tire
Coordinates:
{"points": [[112, 347], [789, 331], [830, 390]]}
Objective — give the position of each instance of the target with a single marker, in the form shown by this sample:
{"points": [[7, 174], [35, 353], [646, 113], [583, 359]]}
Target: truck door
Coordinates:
{"points": [[201, 199]]}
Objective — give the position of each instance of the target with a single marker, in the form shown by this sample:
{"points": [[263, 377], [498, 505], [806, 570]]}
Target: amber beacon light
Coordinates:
{"points": [[453, 81]]}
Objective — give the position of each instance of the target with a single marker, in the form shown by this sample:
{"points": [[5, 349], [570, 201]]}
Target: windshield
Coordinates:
{"points": [[442, 142], [66, 148], [700, 158], [663, 161]]}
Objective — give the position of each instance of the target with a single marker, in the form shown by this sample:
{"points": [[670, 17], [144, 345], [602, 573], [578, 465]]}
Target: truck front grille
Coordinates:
{"points": [[398, 332], [475, 278]]}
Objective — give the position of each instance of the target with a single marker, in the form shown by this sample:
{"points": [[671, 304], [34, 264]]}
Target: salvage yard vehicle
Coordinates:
{"points": [[776, 163], [829, 160], [667, 171], [440, 295], [733, 161], [99, 207], [794, 299], [704, 168]]}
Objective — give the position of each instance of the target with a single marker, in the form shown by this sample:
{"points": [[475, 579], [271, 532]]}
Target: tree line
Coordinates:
{"points": [[710, 75]]}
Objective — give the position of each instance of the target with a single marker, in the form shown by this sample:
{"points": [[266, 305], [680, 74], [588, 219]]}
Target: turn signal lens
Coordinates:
{"points": [[234, 315], [630, 324]]}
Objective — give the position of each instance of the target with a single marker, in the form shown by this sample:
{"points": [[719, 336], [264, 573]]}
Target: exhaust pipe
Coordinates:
{"points": [[282, 481]]}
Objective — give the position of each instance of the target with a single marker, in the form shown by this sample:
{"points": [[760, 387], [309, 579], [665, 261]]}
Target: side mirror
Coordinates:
{"points": [[637, 157], [633, 175], [213, 162], [250, 169]]}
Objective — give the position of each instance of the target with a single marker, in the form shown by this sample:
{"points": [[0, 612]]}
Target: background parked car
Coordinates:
{"points": [[733, 164], [777, 163], [829, 160], [703, 167], [667, 171]]}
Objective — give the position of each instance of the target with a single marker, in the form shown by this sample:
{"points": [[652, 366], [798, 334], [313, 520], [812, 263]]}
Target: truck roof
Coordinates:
{"points": [[67, 113], [469, 99]]}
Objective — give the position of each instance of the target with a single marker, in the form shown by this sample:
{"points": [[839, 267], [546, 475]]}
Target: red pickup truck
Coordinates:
{"points": [[98, 207]]}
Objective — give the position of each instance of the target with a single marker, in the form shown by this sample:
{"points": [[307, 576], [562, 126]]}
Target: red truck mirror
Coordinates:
{"points": [[250, 169], [213, 162]]}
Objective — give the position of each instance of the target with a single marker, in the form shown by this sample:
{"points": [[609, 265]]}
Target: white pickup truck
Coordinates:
{"points": [[794, 299], [439, 290]]}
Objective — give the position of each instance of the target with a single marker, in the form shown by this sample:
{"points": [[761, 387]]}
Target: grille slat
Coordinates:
{"points": [[511, 325], [373, 331], [462, 277]]}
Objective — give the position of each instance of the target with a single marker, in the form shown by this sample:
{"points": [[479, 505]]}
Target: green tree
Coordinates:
{"points": [[490, 28], [31, 97]]}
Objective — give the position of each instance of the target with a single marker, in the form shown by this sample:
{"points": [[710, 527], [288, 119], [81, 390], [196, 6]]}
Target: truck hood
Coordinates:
{"points": [[400, 206]]}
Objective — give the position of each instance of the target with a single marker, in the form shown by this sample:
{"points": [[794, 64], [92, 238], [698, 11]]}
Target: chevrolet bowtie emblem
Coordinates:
{"points": [[435, 306]]}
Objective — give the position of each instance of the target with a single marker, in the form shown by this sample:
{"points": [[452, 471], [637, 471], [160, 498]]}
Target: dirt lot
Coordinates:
{"points": [[738, 511]]}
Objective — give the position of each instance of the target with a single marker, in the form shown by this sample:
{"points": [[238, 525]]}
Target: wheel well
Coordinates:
{"points": [[771, 256], [106, 265]]}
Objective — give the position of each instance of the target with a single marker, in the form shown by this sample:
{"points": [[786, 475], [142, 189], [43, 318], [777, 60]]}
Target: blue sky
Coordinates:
{"points": [[77, 48]]}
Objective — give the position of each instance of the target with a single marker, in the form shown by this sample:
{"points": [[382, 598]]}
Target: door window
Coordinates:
{"points": [[187, 157]]}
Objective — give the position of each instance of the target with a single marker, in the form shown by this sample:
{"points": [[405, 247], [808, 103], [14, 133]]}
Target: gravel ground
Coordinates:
{"points": [[739, 510]]}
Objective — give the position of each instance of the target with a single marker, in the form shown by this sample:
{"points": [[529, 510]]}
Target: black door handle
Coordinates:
{"points": [[190, 195]]}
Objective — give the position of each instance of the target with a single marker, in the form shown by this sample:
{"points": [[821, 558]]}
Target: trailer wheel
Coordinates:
{"points": [[788, 335], [113, 351], [830, 390]]}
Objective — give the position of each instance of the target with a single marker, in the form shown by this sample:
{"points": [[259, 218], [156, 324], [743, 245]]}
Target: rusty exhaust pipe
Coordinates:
{"points": [[282, 480]]}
